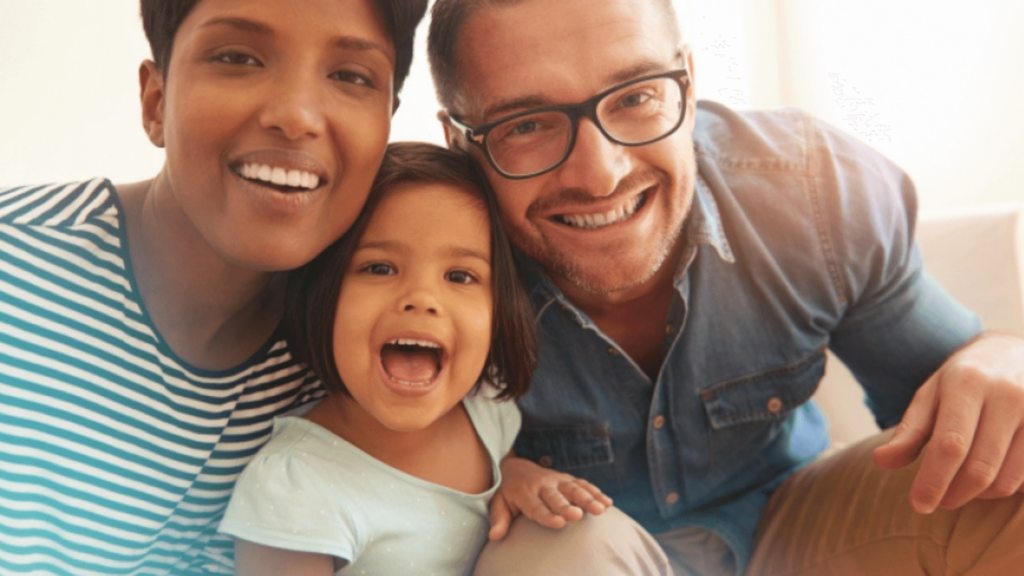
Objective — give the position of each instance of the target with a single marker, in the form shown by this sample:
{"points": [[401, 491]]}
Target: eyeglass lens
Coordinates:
{"points": [[635, 114]]}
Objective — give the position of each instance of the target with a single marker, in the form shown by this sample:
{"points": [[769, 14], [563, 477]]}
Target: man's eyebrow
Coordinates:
{"points": [[524, 103]]}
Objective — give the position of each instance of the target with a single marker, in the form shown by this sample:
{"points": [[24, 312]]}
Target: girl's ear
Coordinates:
{"points": [[151, 84]]}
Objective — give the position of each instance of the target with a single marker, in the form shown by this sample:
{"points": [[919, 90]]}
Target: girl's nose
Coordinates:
{"points": [[420, 297]]}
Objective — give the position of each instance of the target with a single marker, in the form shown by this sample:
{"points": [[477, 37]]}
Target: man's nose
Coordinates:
{"points": [[293, 108], [596, 164]]}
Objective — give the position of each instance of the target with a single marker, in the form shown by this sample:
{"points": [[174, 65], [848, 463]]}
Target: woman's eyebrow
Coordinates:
{"points": [[243, 24], [254, 27]]}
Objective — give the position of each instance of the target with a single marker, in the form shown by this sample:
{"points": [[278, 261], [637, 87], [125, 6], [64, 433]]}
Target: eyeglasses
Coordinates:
{"points": [[635, 113]]}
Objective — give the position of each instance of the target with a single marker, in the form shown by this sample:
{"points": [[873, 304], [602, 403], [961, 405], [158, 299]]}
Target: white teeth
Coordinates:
{"points": [[279, 176], [411, 342], [592, 221]]}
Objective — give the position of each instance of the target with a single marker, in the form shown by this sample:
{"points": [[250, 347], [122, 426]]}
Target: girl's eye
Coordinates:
{"points": [[350, 77], [379, 269], [236, 59], [460, 277]]}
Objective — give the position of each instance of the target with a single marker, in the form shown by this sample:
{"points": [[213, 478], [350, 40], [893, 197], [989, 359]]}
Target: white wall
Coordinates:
{"points": [[945, 81], [934, 84], [69, 92]]}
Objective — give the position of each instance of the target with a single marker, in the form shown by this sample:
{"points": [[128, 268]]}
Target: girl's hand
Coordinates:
{"points": [[545, 496]]}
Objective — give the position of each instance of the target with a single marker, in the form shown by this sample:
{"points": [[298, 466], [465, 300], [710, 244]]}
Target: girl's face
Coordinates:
{"points": [[275, 116], [413, 325]]}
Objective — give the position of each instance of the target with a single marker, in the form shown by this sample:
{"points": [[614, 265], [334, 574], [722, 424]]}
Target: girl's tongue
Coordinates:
{"points": [[410, 363]]}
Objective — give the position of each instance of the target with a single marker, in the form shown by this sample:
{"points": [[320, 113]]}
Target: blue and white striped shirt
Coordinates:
{"points": [[116, 457]]}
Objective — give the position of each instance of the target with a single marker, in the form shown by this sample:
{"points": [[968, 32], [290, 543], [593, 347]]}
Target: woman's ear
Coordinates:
{"points": [[151, 85]]}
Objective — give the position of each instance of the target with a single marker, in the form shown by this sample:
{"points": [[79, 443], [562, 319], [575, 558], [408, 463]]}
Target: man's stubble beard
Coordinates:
{"points": [[558, 263]]}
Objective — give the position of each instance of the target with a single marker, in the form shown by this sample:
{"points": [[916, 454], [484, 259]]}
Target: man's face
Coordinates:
{"points": [[540, 53], [275, 116]]}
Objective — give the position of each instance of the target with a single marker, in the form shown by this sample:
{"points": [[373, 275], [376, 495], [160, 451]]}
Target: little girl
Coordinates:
{"points": [[418, 326]]}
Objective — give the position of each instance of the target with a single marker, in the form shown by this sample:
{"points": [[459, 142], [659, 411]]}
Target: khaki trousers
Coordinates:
{"points": [[839, 516]]}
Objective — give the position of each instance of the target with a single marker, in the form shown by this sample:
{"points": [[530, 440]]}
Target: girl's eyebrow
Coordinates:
{"points": [[453, 251], [261, 29]]}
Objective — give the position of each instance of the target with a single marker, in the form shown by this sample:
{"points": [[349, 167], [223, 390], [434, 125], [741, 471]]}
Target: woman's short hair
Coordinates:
{"points": [[313, 290], [162, 18]]}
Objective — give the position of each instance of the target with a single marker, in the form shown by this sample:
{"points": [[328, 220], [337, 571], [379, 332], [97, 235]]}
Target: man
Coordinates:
{"points": [[689, 265]]}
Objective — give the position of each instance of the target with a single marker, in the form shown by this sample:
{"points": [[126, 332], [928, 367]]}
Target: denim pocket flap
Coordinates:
{"points": [[565, 448], [767, 395]]}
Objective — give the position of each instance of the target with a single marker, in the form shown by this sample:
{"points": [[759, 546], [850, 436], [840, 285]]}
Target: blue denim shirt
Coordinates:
{"points": [[799, 238]]}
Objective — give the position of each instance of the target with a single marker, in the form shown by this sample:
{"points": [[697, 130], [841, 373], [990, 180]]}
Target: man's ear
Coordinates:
{"points": [[447, 127], [151, 85]]}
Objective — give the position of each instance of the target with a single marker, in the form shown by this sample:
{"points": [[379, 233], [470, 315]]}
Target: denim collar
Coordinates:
{"points": [[703, 225]]}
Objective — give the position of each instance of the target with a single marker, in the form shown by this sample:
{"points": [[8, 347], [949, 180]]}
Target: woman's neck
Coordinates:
{"points": [[214, 315]]}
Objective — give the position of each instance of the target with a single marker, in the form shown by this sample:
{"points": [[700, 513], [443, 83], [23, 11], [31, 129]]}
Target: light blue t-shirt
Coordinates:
{"points": [[311, 491]]}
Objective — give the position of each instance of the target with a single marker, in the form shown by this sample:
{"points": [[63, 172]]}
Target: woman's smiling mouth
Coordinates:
{"points": [[280, 178]]}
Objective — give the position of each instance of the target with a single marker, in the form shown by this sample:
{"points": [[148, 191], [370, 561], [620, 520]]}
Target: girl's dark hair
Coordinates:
{"points": [[162, 18], [313, 290]]}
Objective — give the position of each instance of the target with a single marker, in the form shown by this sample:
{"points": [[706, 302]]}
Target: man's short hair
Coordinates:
{"points": [[313, 290], [162, 18], [447, 18]]}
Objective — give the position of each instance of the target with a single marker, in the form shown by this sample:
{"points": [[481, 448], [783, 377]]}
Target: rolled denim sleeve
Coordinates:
{"points": [[899, 323]]}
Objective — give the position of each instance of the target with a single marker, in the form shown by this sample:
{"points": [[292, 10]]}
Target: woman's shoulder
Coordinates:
{"points": [[61, 205]]}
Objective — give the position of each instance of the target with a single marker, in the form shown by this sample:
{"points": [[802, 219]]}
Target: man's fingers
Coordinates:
{"points": [[501, 517], [955, 425], [1011, 476], [913, 431], [985, 460]]}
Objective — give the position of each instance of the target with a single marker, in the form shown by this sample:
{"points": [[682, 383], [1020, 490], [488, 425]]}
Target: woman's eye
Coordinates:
{"points": [[460, 277], [350, 77], [379, 269], [236, 59]]}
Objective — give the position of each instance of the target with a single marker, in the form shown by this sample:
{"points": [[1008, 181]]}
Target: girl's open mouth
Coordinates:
{"points": [[411, 363]]}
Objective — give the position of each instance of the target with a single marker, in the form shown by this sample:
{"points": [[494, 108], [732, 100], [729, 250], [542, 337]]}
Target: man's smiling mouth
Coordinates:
{"points": [[280, 178], [620, 213]]}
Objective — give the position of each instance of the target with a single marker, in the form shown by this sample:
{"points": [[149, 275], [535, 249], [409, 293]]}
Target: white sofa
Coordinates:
{"points": [[978, 255]]}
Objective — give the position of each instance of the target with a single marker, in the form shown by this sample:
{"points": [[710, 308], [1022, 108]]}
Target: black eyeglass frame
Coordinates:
{"points": [[588, 109]]}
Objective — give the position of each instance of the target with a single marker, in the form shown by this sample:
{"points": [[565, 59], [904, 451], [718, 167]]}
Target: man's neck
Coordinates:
{"points": [[634, 318]]}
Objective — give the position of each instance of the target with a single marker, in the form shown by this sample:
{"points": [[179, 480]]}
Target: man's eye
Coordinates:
{"points": [[460, 277], [379, 269], [634, 99], [525, 127]]}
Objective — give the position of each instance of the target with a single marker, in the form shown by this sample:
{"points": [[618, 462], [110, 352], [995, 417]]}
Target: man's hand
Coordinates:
{"points": [[547, 497], [969, 419]]}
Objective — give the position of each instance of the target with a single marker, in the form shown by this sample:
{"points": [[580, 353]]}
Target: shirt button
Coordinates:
{"points": [[545, 461], [659, 421], [669, 329], [613, 351], [774, 405], [672, 497]]}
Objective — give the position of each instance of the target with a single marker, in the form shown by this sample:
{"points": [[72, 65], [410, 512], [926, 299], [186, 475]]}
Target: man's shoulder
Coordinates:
{"points": [[754, 139]]}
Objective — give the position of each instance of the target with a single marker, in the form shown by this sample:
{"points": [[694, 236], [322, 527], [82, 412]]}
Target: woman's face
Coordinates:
{"points": [[275, 116], [413, 323]]}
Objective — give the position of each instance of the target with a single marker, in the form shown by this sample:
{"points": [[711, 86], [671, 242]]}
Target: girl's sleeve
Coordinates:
{"points": [[283, 501], [509, 421]]}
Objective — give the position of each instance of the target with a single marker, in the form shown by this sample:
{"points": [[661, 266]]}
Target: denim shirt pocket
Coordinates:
{"points": [[747, 414], [585, 452]]}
